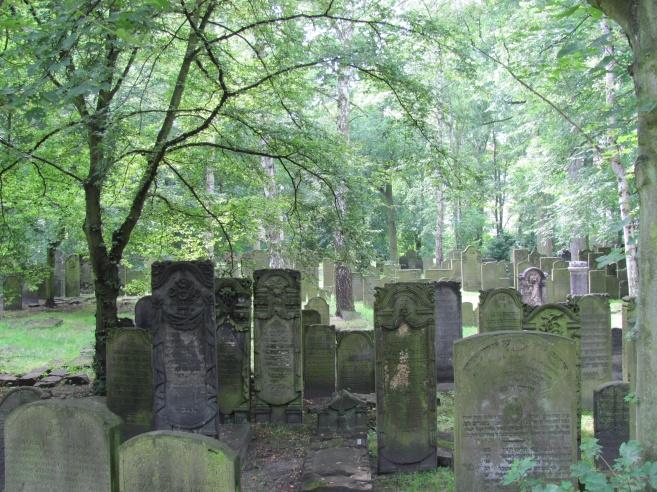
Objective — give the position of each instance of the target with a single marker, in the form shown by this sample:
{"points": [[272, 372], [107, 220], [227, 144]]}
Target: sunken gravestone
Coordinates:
{"points": [[531, 284], [144, 313], [184, 347], [72, 276], [449, 327], [321, 306], [515, 398], [171, 461], [345, 414], [62, 446], [318, 361], [233, 339], [277, 331], [12, 400], [611, 419], [355, 361], [616, 354], [130, 378], [12, 291], [500, 309], [404, 323]]}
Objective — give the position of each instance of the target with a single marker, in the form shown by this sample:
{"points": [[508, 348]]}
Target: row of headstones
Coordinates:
{"points": [[53, 445]]}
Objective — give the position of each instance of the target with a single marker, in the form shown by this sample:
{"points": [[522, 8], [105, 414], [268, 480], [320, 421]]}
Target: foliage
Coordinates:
{"points": [[499, 247]]}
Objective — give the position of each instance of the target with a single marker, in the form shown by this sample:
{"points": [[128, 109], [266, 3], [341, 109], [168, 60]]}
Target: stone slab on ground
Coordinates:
{"points": [[337, 469], [237, 437], [42, 323]]}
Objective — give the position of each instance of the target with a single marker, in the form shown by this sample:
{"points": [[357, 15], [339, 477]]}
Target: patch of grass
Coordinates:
{"points": [[441, 479], [446, 411]]}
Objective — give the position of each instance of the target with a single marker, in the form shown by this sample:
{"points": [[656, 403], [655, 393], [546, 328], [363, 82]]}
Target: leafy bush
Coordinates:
{"points": [[137, 287], [499, 247]]}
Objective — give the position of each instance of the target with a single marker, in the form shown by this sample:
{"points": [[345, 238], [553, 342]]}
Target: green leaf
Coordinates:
{"points": [[630, 454], [567, 13]]}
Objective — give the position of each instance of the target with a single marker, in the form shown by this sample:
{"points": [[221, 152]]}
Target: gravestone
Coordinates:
{"points": [[515, 398], [611, 419], [130, 378], [169, 461], [322, 307], [12, 400], [500, 309], [560, 284], [560, 319], [494, 275], [595, 319], [616, 354], [518, 255], [404, 324], [345, 414], [59, 277], [449, 327], [310, 317], [471, 269], [467, 314], [86, 277], [534, 259], [62, 446], [318, 361], [370, 282], [597, 282], [328, 270], [355, 361], [278, 382], [579, 278], [184, 346], [612, 286], [531, 284], [144, 313], [547, 262], [232, 297], [409, 275], [357, 287], [72, 276], [12, 289]]}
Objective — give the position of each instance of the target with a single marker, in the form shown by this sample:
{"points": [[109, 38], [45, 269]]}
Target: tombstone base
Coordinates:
{"points": [[279, 415], [237, 437], [387, 466]]}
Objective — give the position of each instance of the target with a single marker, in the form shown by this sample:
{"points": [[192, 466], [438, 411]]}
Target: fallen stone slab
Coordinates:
{"points": [[77, 379], [337, 469], [59, 372], [48, 382], [30, 378], [8, 380]]}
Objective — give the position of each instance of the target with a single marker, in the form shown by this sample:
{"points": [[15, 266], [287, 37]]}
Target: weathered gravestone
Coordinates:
{"points": [[404, 323], [560, 284], [611, 419], [310, 317], [409, 275], [86, 276], [169, 461], [12, 400], [595, 318], [370, 283], [130, 378], [322, 307], [515, 398], [277, 332], [449, 327], [72, 276], [12, 291], [345, 414], [232, 298], [471, 269], [328, 271], [518, 256], [144, 313], [579, 277], [531, 284], [597, 282], [318, 361], [410, 260], [355, 361], [468, 314], [184, 346], [357, 286], [500, 309], [62, 446], [616, 354], [494, 275]]}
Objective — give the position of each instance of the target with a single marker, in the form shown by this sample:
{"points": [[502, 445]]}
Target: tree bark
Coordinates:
{"points": [[440, 225]]}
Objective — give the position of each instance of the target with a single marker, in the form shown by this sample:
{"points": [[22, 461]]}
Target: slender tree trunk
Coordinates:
{"points": [[210, 190], [391, 216], [577, 243], [51, 255], [272, 233], [440, 224]]}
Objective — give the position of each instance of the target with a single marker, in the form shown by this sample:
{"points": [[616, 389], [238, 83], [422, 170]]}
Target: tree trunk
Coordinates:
{"points": [[577, 243], [440, 225], [50, 281], [209, 189], [272, 234], [391, 216]]}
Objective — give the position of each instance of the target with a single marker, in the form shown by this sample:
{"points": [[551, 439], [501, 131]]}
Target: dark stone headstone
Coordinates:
{"points": [[184, 346], [144, 313], [130, 378], [500, 309], [345, 414], [310, 317], [611, 419], [13, 293], [531, 284], [72, 276], [616, 354], [404, 324], [277, 333], [62, 446], [86, 277], [233, 320], [355, 361], [321, 306], [318, 361], [449, 328], [515, 398]]}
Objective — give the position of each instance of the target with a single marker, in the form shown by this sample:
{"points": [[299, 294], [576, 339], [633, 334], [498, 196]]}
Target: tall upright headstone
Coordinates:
{"points": [[597, 282], [277, 333], [355, 361], [318, 361], [515, 398], [322, 307], [404, 323], [531, 284], [471, 269], [560, 284], [170, 461], [72, 276], [144, 313], [130, 378], [232, 297], [86, 276], [518, 255], [357, 286], [468, 314], [579, 277], [13, 293], [184, 346], [449, 327], [62, 446], [328, 271], [595, 318], [611, 419], [500, 309]]}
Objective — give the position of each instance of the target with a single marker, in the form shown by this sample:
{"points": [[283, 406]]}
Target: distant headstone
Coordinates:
{"points": [[471, 269], [515, 398], [13, 293], [322, 307], [328, 270], [449, 327], [86, 276], [500, 309], [345, 414], [370, 283], [404, 323], [560, 284], [616, 354], [357, 286], [72, 276], [409, 275], [144, 313], [579, 278], [597, 282], [611, 419], [184, 347], [62, 446], [169, 461], [130, 378], [232, 298], [318, 361], [494, 275], [595, 318], [467, 314], [277, 340], [531, 284], [310, 317], [59, 277], [355, 361]]}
